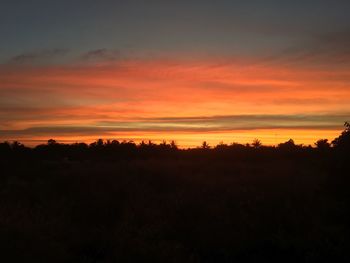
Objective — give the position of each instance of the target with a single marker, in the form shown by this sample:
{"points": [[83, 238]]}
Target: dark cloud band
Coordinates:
{"points": [[189, 124]]}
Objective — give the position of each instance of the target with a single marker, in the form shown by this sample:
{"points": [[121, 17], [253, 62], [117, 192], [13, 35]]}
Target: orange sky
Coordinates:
{"points": [[187, 100]]}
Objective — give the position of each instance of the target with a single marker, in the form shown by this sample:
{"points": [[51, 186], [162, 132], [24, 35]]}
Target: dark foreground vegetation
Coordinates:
{"points": [[121, 202]]}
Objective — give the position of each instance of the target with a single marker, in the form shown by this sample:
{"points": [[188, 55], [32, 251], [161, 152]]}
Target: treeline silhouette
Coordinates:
{"points": [[114, 149], [113, 201]]}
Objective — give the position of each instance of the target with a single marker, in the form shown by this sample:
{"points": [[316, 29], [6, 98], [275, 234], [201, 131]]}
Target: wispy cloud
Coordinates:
{"points": [[101, 55], [330, 50], [41, 56]]}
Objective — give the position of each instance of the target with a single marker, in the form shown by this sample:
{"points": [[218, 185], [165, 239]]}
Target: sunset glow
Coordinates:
{"points": [[187, 96]]}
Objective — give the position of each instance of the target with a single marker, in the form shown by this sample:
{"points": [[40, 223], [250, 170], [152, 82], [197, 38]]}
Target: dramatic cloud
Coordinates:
{"points": [[137, 96]]}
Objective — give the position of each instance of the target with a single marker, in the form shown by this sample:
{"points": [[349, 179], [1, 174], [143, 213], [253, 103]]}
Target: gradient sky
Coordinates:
{"points": [[190, 71]]}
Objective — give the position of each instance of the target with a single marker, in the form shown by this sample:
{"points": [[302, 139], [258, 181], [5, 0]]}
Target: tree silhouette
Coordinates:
{"points": [[343, 141], [205, 145], [322, 144], [51, 142], [287, 145], [256, 143], [173, 145]]}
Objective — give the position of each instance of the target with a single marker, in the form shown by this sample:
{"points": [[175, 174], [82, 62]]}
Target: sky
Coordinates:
{"points": [[189, 71]]}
